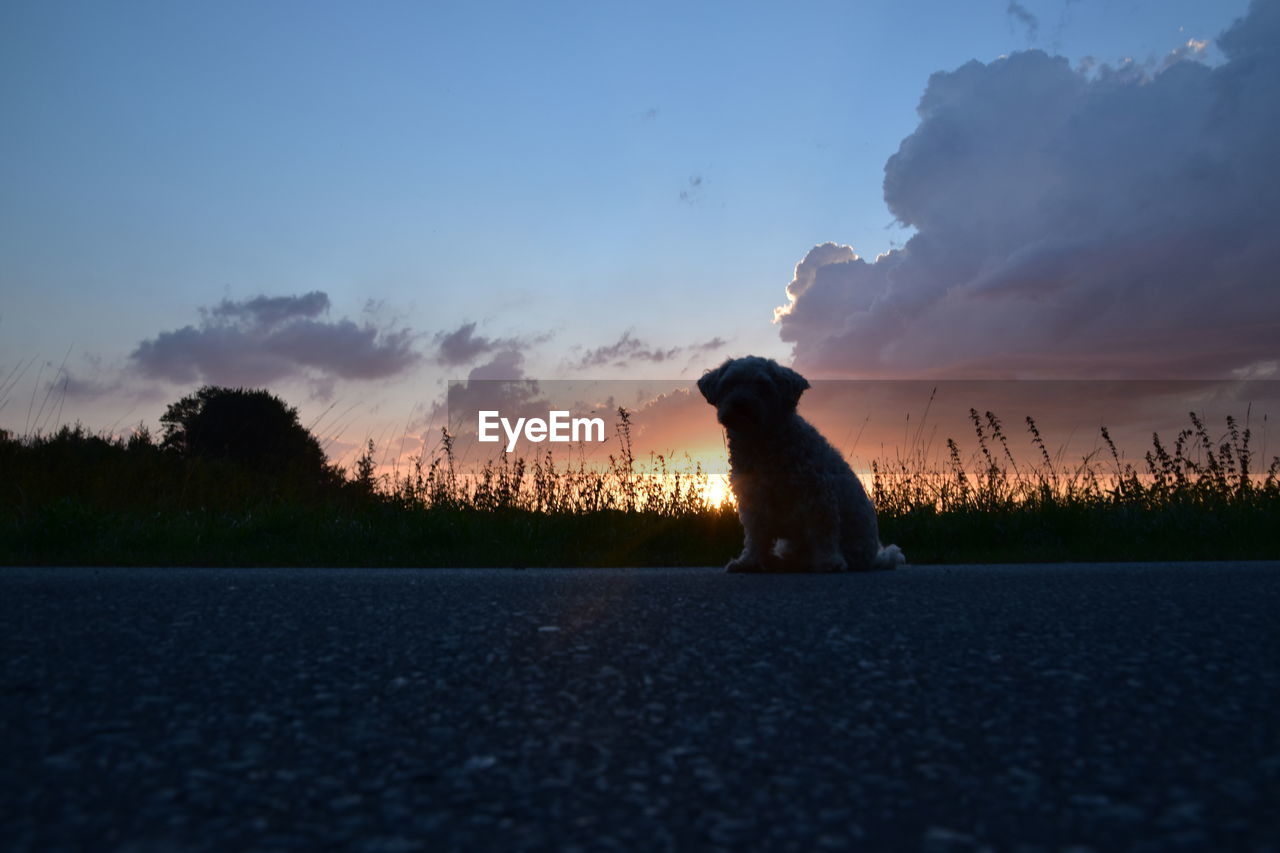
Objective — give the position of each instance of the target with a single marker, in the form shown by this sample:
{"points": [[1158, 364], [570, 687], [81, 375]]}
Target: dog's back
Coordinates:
{"points": [[859, 530]]}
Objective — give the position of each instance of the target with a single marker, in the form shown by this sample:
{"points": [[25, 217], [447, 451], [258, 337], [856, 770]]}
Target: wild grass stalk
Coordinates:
{"points": [[73, 496]]}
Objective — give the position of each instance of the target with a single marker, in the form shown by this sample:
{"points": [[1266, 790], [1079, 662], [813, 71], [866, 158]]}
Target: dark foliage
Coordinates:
{"points": [[248, 426], [77, 498]]}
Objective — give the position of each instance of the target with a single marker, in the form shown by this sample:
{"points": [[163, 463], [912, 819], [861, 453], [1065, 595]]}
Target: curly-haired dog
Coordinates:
{"points": [[802, 507]]}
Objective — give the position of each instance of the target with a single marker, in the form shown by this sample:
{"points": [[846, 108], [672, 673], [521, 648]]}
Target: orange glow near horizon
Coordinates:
{"points": [[716, 492]]}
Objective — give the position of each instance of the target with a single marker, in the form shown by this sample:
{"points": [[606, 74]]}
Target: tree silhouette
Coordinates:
{"points": [[249, 426]]}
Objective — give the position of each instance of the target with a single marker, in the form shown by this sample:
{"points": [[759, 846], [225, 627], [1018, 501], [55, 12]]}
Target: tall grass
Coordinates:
{"points": [[1199, 471], [72, 497], [1200, 499], [541, 484]]}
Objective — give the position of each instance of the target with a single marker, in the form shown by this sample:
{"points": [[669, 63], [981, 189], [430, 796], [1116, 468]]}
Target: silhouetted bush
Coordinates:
{"points": [[246, 426]]}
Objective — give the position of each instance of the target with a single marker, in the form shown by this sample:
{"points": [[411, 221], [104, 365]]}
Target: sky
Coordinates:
{"points": [[352, 204]]}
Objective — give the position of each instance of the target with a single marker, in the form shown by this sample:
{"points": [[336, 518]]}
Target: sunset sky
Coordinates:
{"points": [[352, 204]]}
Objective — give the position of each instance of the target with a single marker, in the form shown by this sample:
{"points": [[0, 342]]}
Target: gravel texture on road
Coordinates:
{"points": [[1048, 707]]}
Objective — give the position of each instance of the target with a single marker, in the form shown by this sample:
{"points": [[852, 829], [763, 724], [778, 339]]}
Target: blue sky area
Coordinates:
{"points": [[604, 189]]}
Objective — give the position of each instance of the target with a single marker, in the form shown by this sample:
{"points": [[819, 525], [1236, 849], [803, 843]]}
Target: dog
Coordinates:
{"points": [[802, 508]]}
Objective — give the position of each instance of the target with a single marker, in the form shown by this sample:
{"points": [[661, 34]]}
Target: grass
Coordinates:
{"points": [[1202, 499], [72, 497]]}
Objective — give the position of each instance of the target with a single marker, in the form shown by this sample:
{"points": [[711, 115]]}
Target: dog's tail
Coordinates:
{"points": [[890, 557]]}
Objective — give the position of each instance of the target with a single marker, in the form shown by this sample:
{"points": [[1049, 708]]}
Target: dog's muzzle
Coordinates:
{"points": [[738, 411]]}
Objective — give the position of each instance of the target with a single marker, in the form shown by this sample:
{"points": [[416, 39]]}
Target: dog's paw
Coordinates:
{"points": [[830, 565], [741, 566], [763, 563]]}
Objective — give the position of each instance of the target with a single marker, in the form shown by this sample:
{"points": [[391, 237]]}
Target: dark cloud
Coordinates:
{"points": [[506, 365], [1118, 222], [628, 350], [463, 345], [497, 385], [272, 310], [343, 349], [268, 339], [1021, 15]]}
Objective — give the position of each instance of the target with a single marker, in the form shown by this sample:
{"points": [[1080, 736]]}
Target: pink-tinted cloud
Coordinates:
{"points": [[1101, 223]]}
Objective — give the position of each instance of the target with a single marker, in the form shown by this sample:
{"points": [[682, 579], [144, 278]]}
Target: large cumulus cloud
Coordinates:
{"points": [[270, 338], [1070, 222]]}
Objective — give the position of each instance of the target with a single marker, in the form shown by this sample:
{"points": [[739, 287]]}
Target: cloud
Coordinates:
{"points": [[1021, 15], [76, 387], [707, 345], [692, 194], [506, 365], [1113, 222], [629, 349], [343, 349], [625, 350], [461, 346], [271, 310], [1194, 49], [497, 385], [271, 338], [464, 346]]}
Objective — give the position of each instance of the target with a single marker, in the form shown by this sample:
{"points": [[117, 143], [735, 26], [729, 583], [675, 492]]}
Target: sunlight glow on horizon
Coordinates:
{"points": [[717, 491]]}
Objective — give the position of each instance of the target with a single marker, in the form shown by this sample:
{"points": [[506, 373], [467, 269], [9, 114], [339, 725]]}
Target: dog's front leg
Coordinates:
{"points": [[757, 545], [823, 543]]}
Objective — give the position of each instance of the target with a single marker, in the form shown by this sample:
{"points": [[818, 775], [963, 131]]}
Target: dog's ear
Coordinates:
{"points": [[790, 383], [709, 384]]}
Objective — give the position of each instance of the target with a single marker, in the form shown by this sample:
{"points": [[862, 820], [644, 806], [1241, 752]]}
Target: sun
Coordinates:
{"points": [[716, 492]]}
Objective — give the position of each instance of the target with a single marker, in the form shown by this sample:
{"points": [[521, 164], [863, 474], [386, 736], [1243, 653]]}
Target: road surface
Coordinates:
{"points": [[1047, 707]]}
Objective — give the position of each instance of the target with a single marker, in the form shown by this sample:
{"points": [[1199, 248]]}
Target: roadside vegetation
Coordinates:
{"points": [[236, 480]]}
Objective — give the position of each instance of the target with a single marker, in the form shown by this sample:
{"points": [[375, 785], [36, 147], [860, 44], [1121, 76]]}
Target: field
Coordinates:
{"points": [[76, 498]]}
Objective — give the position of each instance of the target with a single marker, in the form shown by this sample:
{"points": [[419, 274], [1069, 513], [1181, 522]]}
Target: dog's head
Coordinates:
{"points": [[752, 392]]}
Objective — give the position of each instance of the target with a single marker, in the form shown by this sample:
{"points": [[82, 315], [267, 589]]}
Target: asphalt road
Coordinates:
{"points": [[1066, 707]]}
